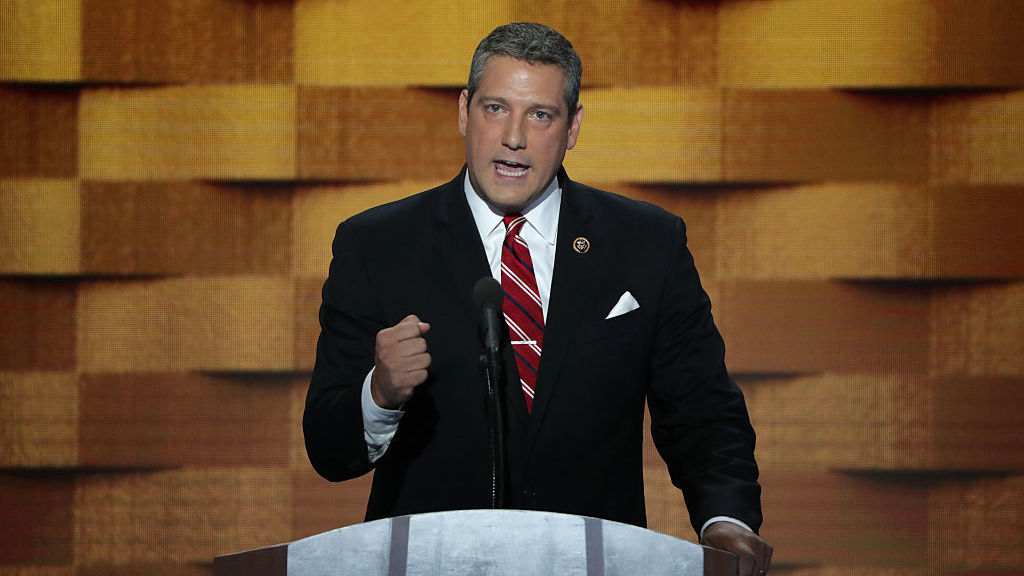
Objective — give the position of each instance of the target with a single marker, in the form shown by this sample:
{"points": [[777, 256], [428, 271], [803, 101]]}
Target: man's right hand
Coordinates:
{"points": [[401, 362]]}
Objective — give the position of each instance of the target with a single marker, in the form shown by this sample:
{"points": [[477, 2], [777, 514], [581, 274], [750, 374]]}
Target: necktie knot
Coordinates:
{"points": [[514, 223]]}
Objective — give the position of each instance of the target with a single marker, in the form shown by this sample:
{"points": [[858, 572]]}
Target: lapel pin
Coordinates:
{"points": [[581, 245]]}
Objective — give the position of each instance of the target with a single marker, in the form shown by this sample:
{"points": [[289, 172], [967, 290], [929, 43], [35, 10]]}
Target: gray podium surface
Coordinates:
{"points": [[492, 542]]}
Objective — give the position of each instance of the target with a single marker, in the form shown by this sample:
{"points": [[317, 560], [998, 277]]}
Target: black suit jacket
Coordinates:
{"points": [[579, 451]]}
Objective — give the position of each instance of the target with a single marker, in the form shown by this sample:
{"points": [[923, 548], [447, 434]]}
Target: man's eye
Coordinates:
{"points": [[493, 108], [541, 115]]}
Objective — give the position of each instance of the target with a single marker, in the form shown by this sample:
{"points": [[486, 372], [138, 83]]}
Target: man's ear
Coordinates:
{"points": [[574, 127], [463, 111]]}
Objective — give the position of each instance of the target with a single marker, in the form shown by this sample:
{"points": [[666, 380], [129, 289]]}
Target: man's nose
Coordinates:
{"points": [[514, 136]]}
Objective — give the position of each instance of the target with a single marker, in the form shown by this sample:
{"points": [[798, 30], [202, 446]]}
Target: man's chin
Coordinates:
{"points": [[507, 203]]}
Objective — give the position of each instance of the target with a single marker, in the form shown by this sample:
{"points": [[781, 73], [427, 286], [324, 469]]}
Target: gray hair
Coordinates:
{"points": [[533, 43]]}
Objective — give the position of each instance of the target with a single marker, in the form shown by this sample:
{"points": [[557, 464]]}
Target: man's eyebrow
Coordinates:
{"points": [[534, 106]]}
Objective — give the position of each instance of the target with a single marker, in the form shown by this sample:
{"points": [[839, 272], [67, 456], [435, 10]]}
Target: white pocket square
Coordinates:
{"points": [[625, 304]]}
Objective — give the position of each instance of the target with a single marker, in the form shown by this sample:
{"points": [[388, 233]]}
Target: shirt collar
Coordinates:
{"points": [[541, 214]]}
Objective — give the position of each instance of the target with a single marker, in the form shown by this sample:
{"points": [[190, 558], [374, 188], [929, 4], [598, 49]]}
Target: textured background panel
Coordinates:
{"points": [[978, 138], [38, 325], [964, 512], [374, 133], [887, 422], [978, 232], [40, 40], [979, 331], [806, 135], [648, 135], [892, 43], [857, 421], [40, 223], [243, 132], [986, 134], [149, 420], [389, 42], [187, 42], [677, 46], [849, 520], [38, 510], [38, 135], [872, 230], [187, 515], [825, 231], [38, 420], [802, 326], [228, 324], [134, 228]]}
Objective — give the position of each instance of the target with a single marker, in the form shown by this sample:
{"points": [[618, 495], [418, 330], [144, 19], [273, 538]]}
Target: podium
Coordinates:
{"points": [[492, 542]]}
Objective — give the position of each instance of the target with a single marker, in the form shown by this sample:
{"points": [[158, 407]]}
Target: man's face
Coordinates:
{"points": [[517, 130]]}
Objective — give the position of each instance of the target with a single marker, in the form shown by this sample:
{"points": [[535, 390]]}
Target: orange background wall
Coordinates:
{"points": [[171, 173]]}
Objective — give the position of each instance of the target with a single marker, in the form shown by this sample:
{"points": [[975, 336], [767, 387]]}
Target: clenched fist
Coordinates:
{"points": [[401, 362]]}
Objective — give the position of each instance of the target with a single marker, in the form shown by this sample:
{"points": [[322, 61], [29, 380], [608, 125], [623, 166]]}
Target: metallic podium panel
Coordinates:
{"points": [[486, 542]]}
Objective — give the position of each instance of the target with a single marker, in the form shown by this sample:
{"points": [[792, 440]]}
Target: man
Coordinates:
{"points": [[605, 312]]}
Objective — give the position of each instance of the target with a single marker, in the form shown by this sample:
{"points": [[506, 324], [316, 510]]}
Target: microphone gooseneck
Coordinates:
{"points": [[487, 295]]}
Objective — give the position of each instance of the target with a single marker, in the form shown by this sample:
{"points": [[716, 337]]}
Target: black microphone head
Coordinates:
{"points": [[487, 293]]}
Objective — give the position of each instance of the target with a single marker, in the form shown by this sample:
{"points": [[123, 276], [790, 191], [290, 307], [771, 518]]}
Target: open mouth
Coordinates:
{"points": [[510, 169]]}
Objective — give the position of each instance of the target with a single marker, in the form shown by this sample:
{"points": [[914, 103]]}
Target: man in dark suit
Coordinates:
{"points": [[605, 310]]}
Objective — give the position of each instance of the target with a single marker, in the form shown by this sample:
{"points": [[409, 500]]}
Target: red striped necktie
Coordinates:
{"points": [[523, 312]]}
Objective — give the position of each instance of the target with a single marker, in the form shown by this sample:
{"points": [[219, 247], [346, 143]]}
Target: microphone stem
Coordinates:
{"points": [[491, 363]]}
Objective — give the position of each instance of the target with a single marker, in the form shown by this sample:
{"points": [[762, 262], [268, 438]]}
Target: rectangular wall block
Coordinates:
{"points": [[871, 231], [345, 43], [233, 132], [195, 41], [808, 135], [617, 144], [892, 43], [190, 515], [222, 324], [152, 420], [378, 133], [41, 40], [805, 326], [39, 415], [170, 228], [38, 135], [39, 323], [40, 224]]}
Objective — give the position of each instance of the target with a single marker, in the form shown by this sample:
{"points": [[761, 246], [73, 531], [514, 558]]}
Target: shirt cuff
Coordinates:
{"points": [[379, 424], [728, 519]]}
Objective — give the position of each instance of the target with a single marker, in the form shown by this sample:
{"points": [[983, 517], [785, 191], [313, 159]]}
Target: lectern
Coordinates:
{"points": [[491, 542]]}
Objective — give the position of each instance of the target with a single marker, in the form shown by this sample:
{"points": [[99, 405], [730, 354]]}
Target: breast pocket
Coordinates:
{"points": [[610, 356], [622, 327]]}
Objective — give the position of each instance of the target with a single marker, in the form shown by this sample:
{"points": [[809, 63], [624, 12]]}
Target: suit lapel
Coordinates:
{"points": [[576, 275], [458, 250]]}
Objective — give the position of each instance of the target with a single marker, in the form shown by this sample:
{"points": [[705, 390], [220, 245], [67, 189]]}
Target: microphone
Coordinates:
{"points": [[487, 296]]}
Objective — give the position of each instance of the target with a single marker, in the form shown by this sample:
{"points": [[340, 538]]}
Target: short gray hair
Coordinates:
{"points": [[533, 43]]}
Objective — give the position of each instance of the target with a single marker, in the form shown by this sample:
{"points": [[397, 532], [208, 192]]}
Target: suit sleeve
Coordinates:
{"points": [[699, 420], [350, 318]]}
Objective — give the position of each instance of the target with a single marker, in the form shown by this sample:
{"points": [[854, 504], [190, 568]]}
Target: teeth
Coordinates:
{"points": [[512, 172]]}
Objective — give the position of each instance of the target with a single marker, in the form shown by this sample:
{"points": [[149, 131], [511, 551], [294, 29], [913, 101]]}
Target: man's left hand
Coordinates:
{"points": [[755, 554]]}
